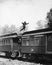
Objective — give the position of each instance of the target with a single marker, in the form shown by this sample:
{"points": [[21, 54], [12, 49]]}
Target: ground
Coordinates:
{"points": [[4, 61]]}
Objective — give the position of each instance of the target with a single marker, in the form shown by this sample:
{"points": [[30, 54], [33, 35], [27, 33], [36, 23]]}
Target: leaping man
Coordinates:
{"points": [[24, 25]]}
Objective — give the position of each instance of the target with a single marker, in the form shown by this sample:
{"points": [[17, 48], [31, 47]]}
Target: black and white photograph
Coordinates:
{"points": [[25, 32]]}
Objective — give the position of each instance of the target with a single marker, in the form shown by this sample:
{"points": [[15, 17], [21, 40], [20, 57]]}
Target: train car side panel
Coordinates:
{"points": [[5, 48], [34, 45]]}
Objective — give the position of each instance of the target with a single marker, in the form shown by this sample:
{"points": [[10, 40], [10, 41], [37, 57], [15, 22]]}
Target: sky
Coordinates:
{"points": [[17, 11]]}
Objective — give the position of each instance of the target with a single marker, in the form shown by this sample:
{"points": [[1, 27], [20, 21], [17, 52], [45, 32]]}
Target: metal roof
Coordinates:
{"points": [[40, 31], [9, 35]]}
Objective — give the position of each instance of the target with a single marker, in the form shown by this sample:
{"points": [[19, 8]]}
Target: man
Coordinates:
{"points": [[24, 25]]}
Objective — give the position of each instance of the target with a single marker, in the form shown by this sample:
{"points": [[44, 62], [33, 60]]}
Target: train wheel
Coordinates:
{"points": [[27, 56], [17, 54], [24, 56], [13, 55], [20, 54]]}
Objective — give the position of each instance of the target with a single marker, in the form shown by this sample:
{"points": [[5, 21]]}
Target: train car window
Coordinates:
{"points": [[0, 42], [49, 43], [15, 40], [6, 41], [34, 41], [31, 40], [25, 41], [3, 42]]}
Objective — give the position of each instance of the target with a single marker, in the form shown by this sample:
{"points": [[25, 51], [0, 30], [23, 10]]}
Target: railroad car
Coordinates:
{"points": [[10, 44], [37, 45]]}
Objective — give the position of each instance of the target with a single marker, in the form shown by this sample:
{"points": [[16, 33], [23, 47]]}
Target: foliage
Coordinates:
{"points": [[6, 29], [49, 18], [41, 24]]}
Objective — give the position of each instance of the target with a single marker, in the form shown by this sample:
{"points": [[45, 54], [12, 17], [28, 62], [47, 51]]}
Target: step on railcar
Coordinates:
{"points": [[37, 45], [10, 45]]}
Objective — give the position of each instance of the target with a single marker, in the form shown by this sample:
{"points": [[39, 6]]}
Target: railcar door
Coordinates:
{"points": [[49, 43], [16, 44]]}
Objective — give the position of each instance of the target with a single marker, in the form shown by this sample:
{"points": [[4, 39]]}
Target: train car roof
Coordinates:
{"points": [[40, 31], [9, 35]]}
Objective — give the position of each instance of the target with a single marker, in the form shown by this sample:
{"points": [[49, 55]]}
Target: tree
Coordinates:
{"points": [[5, 29], [49, 18], [12, 28], [41, 24]]}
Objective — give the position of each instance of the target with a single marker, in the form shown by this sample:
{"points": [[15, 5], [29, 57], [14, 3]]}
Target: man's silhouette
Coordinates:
{"points": [[24, 25]]}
